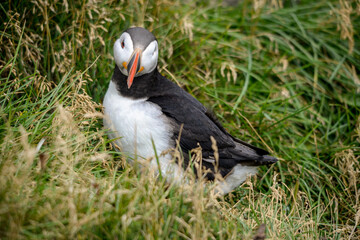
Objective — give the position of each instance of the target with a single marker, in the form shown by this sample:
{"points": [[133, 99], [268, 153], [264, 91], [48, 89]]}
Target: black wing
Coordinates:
{"points": [[198, 125]]}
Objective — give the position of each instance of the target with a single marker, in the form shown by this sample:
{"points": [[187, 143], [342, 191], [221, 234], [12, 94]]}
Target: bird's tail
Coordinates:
{"points": [[266, 160]]}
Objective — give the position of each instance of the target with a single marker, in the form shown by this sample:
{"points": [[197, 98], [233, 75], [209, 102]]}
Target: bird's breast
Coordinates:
{"points": [[137, 124]]}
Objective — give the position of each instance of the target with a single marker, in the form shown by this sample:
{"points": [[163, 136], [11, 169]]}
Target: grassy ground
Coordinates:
{"points": [[283, 76]]}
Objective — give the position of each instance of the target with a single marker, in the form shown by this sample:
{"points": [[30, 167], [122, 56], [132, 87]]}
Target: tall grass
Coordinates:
{"points": [[281, 75]]}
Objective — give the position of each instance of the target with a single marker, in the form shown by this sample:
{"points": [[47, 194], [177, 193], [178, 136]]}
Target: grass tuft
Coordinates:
{"points": [[281, 75]]}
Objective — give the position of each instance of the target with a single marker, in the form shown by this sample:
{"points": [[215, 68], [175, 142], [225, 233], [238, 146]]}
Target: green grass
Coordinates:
{"points": [[282, 77]]}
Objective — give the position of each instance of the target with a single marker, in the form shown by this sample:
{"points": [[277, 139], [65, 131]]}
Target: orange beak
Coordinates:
{"points": [[133, 66]]}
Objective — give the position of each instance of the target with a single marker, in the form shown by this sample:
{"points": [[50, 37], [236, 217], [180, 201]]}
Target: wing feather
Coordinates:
{"points": [[197, 125]]}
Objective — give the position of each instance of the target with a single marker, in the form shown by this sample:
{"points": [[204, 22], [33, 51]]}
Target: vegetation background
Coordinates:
{"points": [[282, 75]]}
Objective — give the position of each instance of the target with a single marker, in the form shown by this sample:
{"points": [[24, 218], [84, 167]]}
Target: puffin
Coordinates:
{"points": [[147, 116]]}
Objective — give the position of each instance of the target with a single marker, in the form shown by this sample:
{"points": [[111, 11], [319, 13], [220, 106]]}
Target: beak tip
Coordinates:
{"points": [[130, 81]]}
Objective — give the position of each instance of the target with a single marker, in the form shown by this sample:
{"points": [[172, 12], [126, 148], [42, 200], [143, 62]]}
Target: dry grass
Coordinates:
{"points": [[286, 73]]}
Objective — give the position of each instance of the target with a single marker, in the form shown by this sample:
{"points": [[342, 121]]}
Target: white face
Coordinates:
{"points": [[124, 49]]}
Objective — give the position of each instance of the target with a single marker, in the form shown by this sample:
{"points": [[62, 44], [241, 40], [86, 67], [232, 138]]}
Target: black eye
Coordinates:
{"points": [[123, 43]]}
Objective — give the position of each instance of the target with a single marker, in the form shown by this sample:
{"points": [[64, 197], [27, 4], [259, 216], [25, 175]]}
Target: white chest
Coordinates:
{"points": [[136, 123]]}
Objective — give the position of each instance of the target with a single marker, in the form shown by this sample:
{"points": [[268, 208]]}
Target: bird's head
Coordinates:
{"points": [[136, 53]]}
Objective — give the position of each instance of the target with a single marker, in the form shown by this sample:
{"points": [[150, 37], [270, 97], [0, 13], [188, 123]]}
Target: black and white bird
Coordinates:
{"points": [[144, 109]]}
